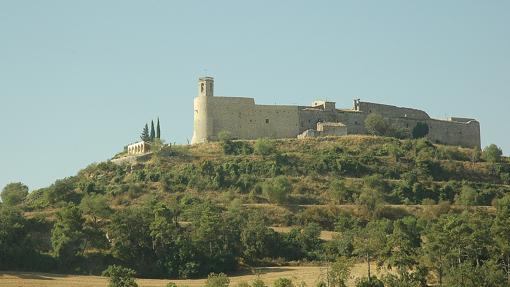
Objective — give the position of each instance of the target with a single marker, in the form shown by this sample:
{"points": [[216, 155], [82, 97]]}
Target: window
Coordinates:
{"points": [[267, 121]]}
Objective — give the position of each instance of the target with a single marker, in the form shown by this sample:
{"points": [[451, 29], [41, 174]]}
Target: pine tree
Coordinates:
{"points": [[145, 134], [158, 130], [153, 133]]}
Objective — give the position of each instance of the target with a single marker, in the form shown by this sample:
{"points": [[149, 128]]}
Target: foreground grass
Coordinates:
{"points": [[310, 275]]}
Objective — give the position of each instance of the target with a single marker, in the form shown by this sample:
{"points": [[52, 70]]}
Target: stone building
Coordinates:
{"points": [[246, 120], [138, 148]]}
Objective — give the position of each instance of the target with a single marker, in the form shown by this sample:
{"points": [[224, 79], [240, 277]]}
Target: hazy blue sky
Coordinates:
{"points": [[79, 79]]}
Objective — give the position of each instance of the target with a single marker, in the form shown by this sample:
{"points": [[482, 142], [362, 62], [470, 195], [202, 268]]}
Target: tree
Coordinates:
{"points": [[15, 246], [158, 130], [339, 272], [215, 238], [145, 134], [257, 240], [402, 251], [120, 276], [420, 130], [171, 243], [96, 206], [14, 193], [277, 189], [153, 132], [129, 232], [500, 231], [62, 190], [492, 153], [67, 236], [376, 125], [369, 243]]}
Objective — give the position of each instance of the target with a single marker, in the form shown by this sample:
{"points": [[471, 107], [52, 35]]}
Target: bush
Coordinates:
{"points": [[492, 153], [277, 189], [283, 282], [120, 276], [217, 280], [171, 284], [264, 147], [258, 283], [372, 282]]}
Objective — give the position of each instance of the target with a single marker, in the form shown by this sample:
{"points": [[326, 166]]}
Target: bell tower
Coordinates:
{"points": [[205, 86]]}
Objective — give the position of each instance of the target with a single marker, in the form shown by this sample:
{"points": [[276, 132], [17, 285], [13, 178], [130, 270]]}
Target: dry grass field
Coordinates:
{"points": [[310, 275]]}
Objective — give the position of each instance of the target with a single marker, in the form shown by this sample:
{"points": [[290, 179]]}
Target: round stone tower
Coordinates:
{"points": [[202, 124]]}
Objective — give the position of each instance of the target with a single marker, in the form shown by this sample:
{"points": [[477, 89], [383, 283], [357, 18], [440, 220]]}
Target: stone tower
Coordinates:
{"points": [[202, 122], [206, 86]]}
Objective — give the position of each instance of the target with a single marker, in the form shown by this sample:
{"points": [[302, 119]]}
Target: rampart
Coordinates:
{"points": [[244, 119]]}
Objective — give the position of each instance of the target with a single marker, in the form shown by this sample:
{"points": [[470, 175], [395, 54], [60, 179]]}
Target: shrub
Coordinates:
{"points": [[283, 282], [338, 192], [372, 282], [264, 147], [217, 280], [171, 284], [120, 276], [467, 196], [277, 190], [258, 283], [492, 153]]}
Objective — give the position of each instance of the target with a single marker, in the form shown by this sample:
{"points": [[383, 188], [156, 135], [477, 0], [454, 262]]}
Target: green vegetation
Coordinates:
{"points": [[420, 130], [145, 136], [432, 214], [14, 193], [120, 276]]}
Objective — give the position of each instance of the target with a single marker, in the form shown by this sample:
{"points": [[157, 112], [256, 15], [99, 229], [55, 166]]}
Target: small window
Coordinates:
{"points": [[267, 121]]}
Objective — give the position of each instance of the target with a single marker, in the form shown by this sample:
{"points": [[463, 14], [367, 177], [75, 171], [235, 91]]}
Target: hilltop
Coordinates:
{"points": [[406, 171], [186, 211]]}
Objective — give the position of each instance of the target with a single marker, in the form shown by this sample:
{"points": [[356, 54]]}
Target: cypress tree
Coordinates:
{"points": [[145, 134], [158, 130], [153, 133]]}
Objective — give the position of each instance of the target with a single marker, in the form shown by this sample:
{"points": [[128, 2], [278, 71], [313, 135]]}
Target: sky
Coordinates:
{"points": [[79, 79]]}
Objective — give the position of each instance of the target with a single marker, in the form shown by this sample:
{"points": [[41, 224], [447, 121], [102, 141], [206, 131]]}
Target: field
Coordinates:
{"points": [[309, 275]]}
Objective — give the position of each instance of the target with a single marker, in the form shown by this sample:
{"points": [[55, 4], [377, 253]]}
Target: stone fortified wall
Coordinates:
{"points": [[243, 119]]}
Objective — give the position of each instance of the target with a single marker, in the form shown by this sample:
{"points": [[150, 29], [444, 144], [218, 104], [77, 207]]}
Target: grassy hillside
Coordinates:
{"points": [[321, 171], [186, 211]]}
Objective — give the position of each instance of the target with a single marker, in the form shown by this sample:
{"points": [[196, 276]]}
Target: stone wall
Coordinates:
{"points": [[243, 119]]}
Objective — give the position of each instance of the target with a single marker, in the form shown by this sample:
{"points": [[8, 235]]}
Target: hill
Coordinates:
{"points": [[186, 211]]}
